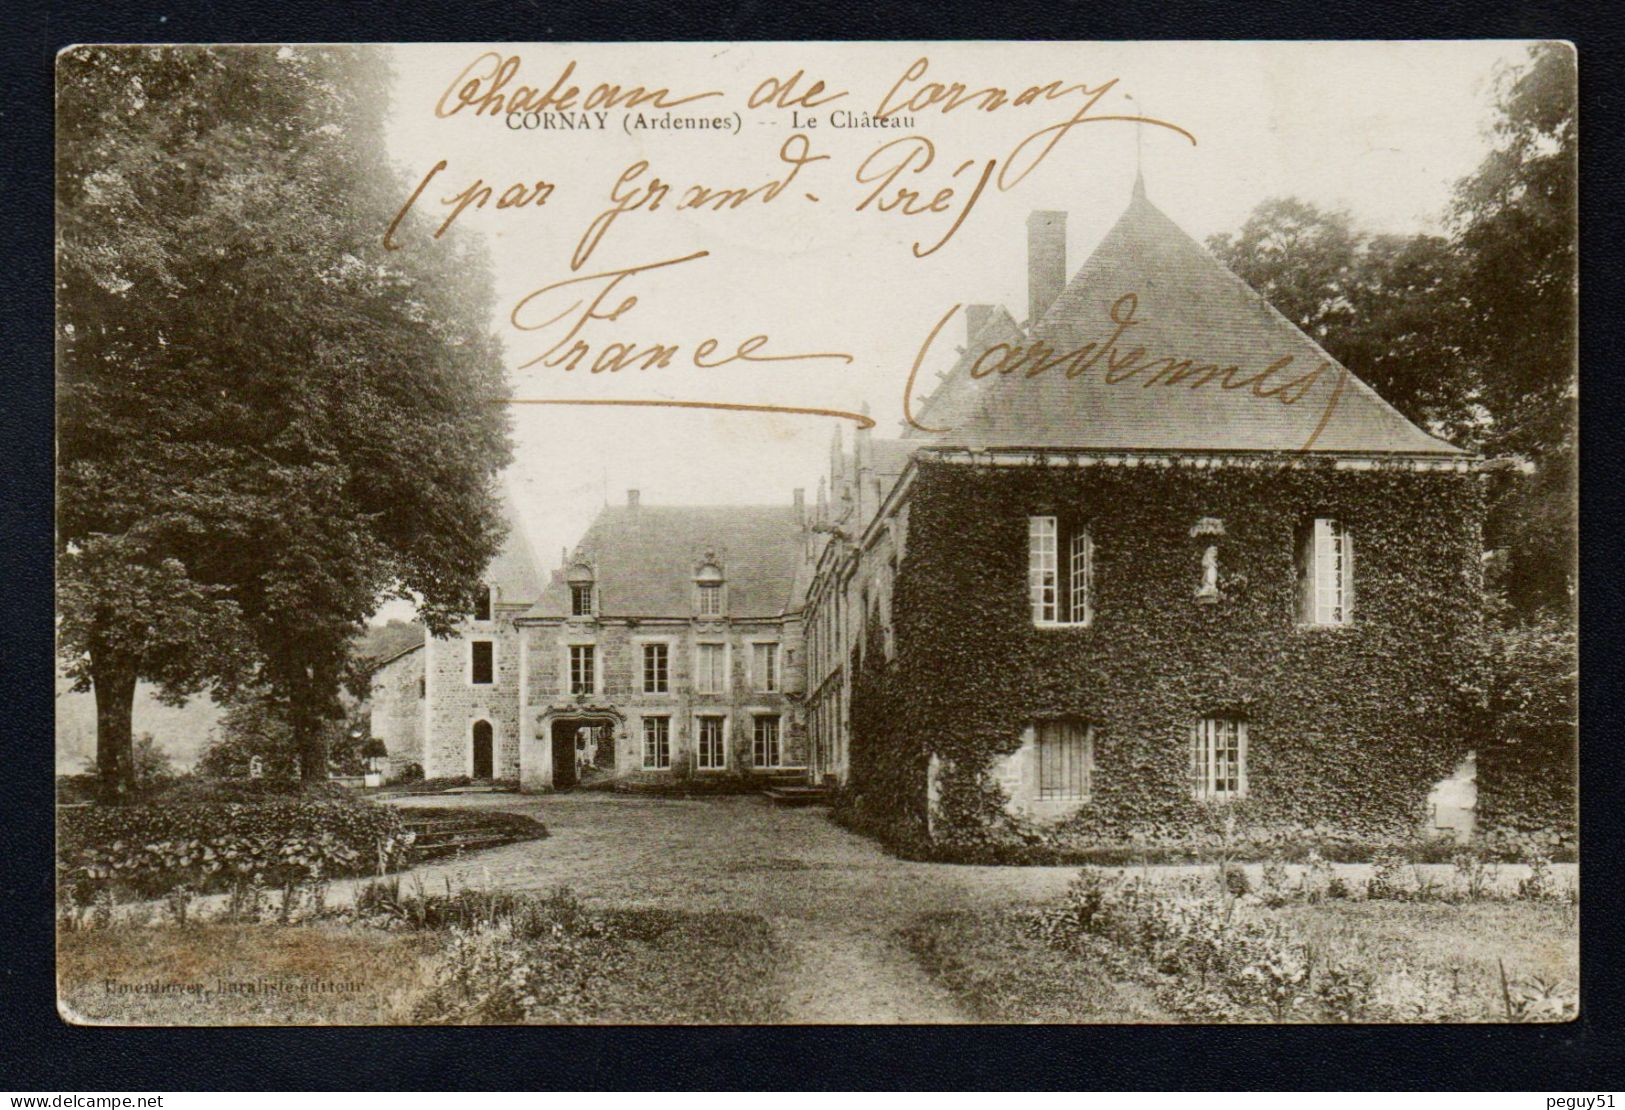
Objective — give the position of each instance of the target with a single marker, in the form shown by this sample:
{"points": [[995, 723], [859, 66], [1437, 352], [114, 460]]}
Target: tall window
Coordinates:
{"points": [[1218, 759], [1060, 571], [764, 745], [581, 668], [1325, 572], [656, 669], [710, 599], [710, 668], [765, 666], [481, 671], [713, 752], [656, 743], [1066, 760], [482, 604], [581, 599]]}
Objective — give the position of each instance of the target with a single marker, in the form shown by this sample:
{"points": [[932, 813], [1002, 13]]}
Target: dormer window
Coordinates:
{"points": [[581, 590], [482, 604], [708, 583]]}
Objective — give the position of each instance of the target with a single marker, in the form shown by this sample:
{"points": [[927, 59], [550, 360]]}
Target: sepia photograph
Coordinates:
{"points": [[807, 533]]}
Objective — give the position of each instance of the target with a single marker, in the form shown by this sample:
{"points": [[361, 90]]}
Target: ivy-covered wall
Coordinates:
{"points": [[1348, 728]]}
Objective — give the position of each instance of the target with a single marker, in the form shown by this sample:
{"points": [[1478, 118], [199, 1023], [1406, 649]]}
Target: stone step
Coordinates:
{"points": [[797, 795]]}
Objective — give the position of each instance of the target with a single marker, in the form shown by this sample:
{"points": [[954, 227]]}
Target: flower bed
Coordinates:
{"points": [[151, 850], [1215, 953]]}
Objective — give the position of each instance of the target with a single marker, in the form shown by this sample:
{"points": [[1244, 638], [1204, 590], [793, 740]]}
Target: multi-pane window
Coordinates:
{"points": [[581, 668], [481, 666], [581, 599], [710, 599], [482, 604], [1060, 571], [1218, 758], [1066, 759], [764, 742], [712, 754], [1325, 572], [765, 666], [656, 669], [656, 743], [709, 668]]}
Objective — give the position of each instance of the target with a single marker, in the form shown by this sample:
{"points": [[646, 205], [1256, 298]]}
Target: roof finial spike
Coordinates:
{"points": [[1139, 183]]}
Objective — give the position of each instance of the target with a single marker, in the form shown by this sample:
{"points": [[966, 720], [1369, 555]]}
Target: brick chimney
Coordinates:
{"points": [[631, 499], [976, 318], [801, 505], [1046, 262]]}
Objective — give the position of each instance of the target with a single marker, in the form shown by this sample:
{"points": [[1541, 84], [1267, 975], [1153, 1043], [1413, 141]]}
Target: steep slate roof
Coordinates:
{"points": [[515, 574], [644, 558], [955, 397], [1190, 306]]}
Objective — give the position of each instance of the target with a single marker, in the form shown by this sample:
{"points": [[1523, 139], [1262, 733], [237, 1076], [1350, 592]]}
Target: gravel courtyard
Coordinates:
{"points": [[835, 899]]}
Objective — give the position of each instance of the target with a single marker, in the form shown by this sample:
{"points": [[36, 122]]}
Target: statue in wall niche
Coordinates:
{"points": [[1212, 528], [1209, 589]]}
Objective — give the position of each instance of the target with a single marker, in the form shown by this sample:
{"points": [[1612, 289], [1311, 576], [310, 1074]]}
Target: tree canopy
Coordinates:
{"points": [[267, 424], [1472, 335]]}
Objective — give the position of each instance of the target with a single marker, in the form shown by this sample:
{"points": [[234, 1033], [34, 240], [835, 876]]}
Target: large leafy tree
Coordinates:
{"points": [[1382, 305], [1515, 220], [1472, 335], [267, 424]]}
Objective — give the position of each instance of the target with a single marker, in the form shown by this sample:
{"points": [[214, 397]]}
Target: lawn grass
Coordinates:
{"points": [[1461, 941], [999, 974], [360, 976], [659, 967]]}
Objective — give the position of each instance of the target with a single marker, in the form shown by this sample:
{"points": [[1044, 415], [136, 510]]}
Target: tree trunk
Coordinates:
{"points": [[310, 740], [113, 680]]}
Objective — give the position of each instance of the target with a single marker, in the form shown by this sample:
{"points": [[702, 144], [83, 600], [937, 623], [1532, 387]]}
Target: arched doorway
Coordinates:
{"points": [[482, 750], [583, 749]]}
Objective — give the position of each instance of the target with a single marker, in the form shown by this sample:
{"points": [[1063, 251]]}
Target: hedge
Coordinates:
{"points": [[1348, 729], [149, 850]]}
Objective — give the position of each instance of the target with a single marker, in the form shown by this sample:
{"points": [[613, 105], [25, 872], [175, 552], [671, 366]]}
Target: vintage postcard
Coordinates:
{"points": [[779, 533]]}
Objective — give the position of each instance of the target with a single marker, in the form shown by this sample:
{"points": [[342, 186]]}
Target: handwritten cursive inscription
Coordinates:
{"points": [[483, 87], [570, 351], [1024, 361]]}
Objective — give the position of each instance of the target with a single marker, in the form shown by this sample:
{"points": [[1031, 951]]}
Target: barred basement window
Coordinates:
{"points": [[1066, 760], [656, 743], [482, 604], [713, 753], [1218, 759], [480, 663], [764, 746], [581, 668], [709, 673], [1060, 571], [656, 672], [1325, 560]]}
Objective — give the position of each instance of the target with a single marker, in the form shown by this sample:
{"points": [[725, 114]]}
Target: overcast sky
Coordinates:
{"points": [[1383, 130]]}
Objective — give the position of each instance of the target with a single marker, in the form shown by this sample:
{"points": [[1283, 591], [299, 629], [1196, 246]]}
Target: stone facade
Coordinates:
{"points": [[643, 570], [397, 699], [455, 703]]}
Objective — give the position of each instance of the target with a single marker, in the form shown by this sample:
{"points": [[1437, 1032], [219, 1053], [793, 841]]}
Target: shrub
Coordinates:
{"points": [[412, 772], [1388, 877], [149, 850], [1540, 885], [1476, 872]]}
